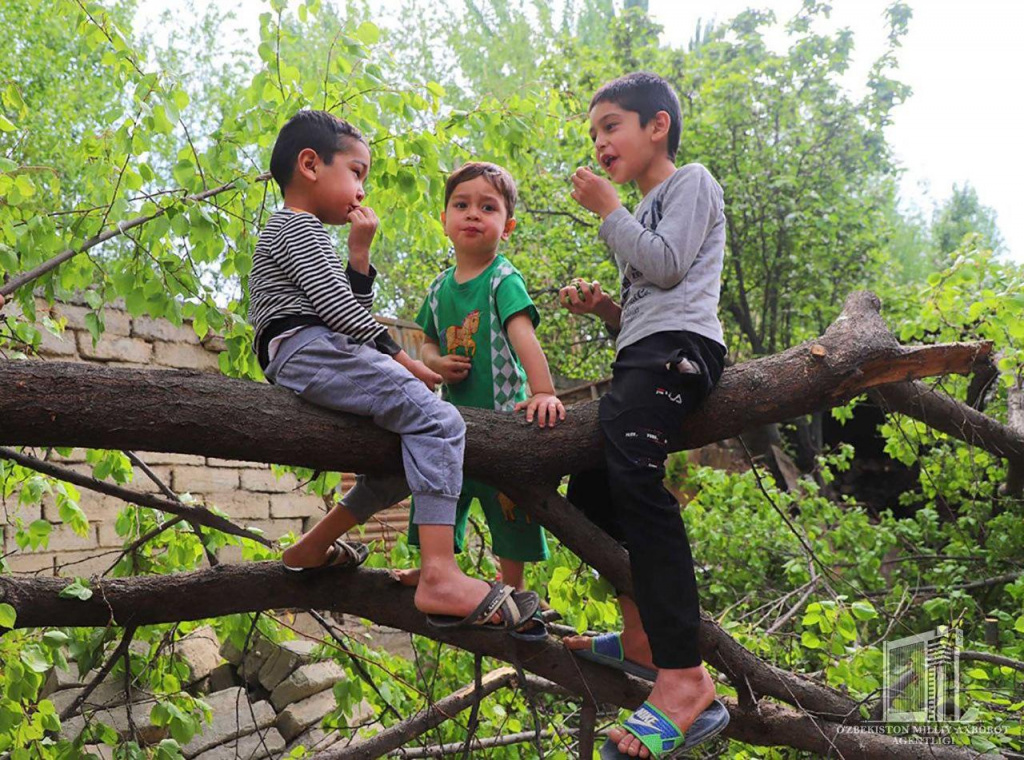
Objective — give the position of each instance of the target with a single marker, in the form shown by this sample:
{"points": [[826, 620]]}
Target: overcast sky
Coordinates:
{"points": [[963, 58]]}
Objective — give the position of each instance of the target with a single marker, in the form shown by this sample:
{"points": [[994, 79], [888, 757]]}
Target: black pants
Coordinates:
{"points": [[641, 416]]}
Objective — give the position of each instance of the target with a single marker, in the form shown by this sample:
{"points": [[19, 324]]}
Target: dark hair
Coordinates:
{"points": [[318, 130], [646, 94], [496, 177]]}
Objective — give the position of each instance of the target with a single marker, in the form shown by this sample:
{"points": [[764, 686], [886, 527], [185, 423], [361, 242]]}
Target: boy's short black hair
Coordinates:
{"points": [[323, 132], [646, 94], [496, 176]]}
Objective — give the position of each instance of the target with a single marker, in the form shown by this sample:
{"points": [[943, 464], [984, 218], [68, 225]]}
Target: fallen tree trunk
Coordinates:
{"points": [[50, 404], [58, 404], [373, 594]]}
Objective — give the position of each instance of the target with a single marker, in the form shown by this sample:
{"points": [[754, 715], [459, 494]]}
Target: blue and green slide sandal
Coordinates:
{"points": [[607, 650], [662, 737]]}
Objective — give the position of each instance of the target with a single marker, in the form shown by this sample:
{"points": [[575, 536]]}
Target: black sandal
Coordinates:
{"points": [[345, 554], [517, 610]]}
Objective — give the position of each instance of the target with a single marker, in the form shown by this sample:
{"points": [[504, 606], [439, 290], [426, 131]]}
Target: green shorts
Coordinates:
{"points": [[513, 534]]}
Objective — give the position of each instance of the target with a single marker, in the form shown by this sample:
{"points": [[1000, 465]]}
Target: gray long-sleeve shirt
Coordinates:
{"points": [[670, 254]]}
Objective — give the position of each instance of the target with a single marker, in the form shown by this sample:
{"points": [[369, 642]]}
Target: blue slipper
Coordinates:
{"points": [[662, 737], [607, 650]]}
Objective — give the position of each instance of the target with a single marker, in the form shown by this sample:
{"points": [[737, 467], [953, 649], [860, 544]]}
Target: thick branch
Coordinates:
{"points": [[373, 594], [952, 417], [54, 404]]}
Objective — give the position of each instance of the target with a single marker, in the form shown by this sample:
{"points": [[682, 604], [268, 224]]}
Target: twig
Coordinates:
{"points": [[588, 721], [995, 659], [23, 279], [488, 742], [148, 536], [199, 515], [401, 733], [137, 461], [104, 671], [777, 625], [474, 714], [363, 673]]}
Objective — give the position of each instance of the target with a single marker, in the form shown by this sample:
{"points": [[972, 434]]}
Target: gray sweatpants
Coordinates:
{"points": [[331, 370]]}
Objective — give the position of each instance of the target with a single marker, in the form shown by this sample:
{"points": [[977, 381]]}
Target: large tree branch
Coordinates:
{"points": [[74, 405], [373, 594], [52, 404], [955, 418]]}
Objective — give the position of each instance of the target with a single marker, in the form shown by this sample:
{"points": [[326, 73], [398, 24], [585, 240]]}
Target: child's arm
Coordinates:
{"points": [[306, 255], [543, 402], [582, 297], [363, 225], [690, 207], [452, 368], [418, 369]]}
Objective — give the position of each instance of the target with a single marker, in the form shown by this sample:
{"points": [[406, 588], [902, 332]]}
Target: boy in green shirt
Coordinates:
{"points": [[479, 322]]}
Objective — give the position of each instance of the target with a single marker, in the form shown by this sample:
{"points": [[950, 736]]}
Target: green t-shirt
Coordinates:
{"points": [[469, 319]]}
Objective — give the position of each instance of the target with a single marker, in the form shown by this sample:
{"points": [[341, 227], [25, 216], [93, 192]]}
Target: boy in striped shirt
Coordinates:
{"points": [[316, 336]]}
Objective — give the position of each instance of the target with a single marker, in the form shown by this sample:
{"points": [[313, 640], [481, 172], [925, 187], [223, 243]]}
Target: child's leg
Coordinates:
{"points": [[515, 538], [369, 494], [644, 411], [363, 381], [513, 572], [590, 491], [411, 576]]}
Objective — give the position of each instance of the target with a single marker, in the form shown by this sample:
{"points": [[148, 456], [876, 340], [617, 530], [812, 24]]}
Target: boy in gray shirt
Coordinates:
{"points": [[669, 355]]}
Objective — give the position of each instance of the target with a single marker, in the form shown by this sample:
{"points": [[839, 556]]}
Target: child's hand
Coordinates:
{"points": [[362, 227], [594, 193], [422, 372], [582, 297], [546, 406], [453, 368]]}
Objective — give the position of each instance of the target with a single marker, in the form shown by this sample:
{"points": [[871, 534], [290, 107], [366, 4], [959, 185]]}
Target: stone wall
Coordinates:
{"points": [[249, 492], [265, 702]]}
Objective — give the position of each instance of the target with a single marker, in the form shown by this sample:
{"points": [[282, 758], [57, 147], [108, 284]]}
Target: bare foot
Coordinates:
{"points": [[410, 577], [635, 646], [681, 694], [450, 593], [300, 555]]}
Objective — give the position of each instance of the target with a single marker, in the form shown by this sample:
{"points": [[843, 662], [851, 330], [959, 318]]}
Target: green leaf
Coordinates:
{"points": [[810, 640], [7, 616], [1019, 625], [863, 610], [5, 124], [55, 638], [978, 674], [34, 659], [368, 32], [77, 589]]}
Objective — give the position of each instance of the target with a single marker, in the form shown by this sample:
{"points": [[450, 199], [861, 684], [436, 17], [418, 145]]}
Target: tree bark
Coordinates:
{"points": [[57, 404], [954, 418], [373, 594], [51, 404]]}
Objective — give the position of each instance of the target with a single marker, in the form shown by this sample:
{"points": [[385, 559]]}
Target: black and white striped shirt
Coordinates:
{"points": [[296, 272]]}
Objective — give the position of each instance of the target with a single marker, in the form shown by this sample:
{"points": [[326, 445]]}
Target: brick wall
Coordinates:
{"points": [[247, 491]]}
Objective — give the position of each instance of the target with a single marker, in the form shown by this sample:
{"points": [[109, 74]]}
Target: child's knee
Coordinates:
{"points": [[451, 424]]}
